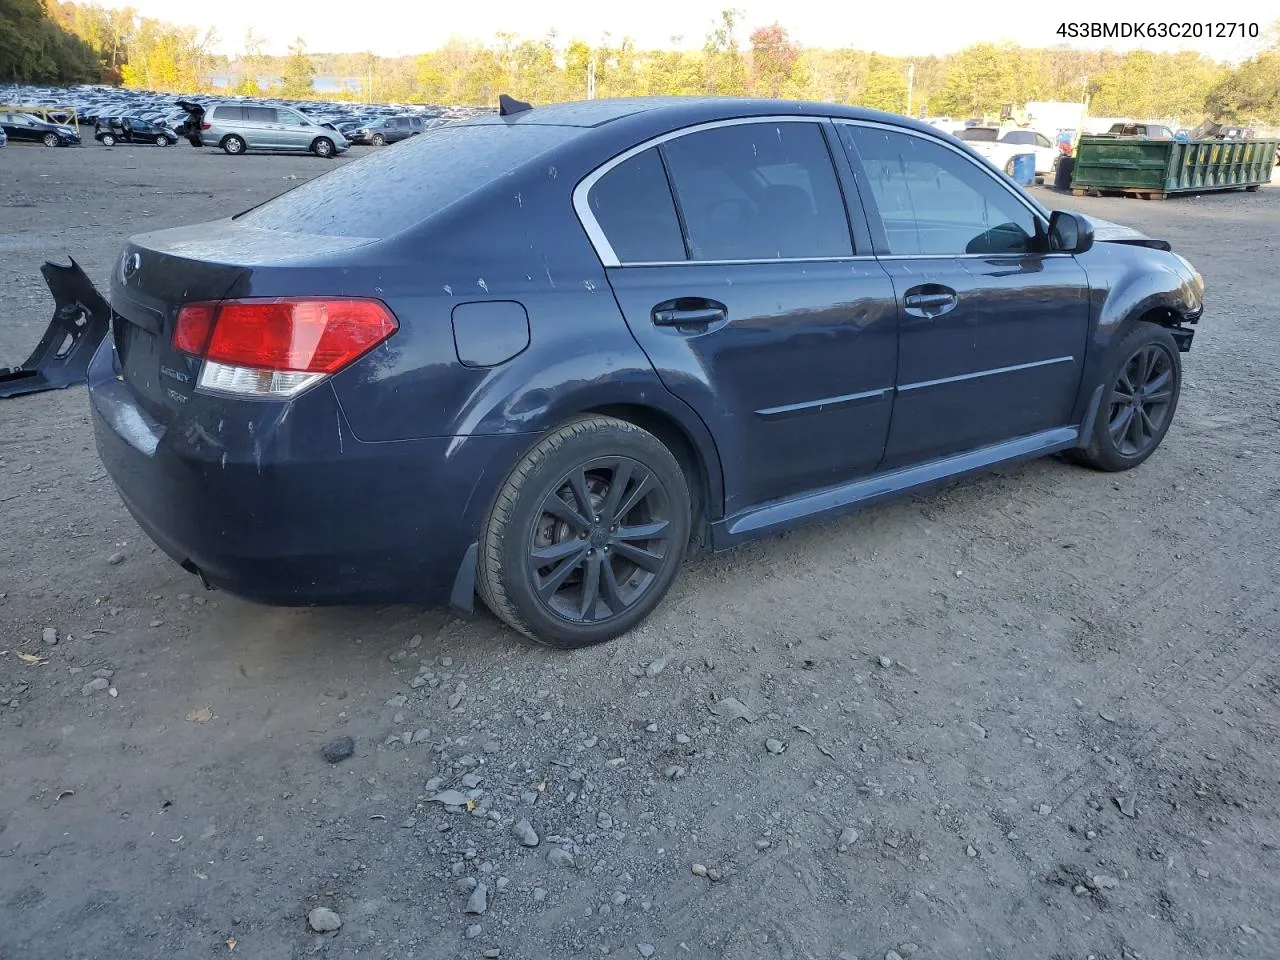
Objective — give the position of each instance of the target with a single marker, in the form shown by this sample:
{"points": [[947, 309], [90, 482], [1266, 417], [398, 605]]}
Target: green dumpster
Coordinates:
{"points": [[1158, 168]]}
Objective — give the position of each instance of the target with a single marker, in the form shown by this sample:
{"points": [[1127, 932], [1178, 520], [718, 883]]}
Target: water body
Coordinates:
{"points": [[327, 84]]}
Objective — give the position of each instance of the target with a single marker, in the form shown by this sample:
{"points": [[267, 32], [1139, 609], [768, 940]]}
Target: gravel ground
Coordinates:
{"points": [[1036, 714]]}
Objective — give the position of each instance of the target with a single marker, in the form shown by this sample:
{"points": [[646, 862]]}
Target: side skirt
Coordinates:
{"points": [[781, 515]]}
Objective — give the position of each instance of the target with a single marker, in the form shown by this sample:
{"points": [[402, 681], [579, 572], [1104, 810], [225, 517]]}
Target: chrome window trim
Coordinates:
{"points": [[604, 249], [990, 173]]}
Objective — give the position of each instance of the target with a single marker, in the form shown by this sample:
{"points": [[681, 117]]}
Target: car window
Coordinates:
{"points": [[758, 191], [261, 115], [1019, 137], [934, 202], [393, 190], [632, 204], [228, 113], [1042, 140], [979, 134], [288, 116]]}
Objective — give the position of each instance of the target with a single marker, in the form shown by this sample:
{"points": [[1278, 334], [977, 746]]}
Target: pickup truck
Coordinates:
{"points": [[1148, 131], [1001, 146]]}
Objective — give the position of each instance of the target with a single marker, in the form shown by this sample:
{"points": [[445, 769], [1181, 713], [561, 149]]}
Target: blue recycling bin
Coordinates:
{"points": [[1024, 169]]}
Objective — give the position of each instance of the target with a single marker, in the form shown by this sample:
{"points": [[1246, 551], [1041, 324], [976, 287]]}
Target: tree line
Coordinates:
{"points": [[69, 42]]}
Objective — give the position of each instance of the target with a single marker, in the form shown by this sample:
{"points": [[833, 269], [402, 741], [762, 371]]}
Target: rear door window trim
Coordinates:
{"points": [[604, 249]]}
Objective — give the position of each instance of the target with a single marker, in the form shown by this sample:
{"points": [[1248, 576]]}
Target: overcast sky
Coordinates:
{"points": [[397, 27]]}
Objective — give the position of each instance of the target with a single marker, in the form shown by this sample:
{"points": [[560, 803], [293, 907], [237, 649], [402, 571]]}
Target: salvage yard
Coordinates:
{"points": [[1032, 715]]}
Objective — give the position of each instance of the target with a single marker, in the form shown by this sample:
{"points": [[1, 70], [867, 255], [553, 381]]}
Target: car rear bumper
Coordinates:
{"points": [[280, 503]]}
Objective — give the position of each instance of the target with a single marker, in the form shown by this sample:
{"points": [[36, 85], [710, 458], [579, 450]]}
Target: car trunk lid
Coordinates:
{"points": [[160, 272]]}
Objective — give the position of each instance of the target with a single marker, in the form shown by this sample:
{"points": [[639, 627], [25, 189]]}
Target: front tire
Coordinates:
{"points": [[1140, 393], [378, 140], [108, 140], [162, 141], [233, 145], [322, 148], [50, 140], [587, 534]]}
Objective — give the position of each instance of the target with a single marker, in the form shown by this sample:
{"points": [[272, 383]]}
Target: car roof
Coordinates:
{"points": [[683, 111]]}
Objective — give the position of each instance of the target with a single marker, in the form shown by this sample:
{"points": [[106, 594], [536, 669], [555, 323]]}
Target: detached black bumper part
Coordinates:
{"points": [[81, 318]]}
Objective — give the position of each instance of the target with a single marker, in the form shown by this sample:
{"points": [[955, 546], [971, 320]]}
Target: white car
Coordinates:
{"points": [[1000, 146]]}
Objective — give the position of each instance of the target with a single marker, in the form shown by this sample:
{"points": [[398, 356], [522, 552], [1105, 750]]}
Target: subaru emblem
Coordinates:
{"points": [[129, 265]]}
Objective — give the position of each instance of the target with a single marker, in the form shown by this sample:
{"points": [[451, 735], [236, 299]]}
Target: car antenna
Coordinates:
{"points": [[509, 105]]}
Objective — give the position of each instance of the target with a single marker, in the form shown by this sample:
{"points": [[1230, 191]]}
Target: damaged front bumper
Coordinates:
{"points": [[81, 319]]}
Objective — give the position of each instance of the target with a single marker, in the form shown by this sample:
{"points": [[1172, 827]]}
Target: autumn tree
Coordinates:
{"points": [[299, 72], [724, 72], [773, 58]]}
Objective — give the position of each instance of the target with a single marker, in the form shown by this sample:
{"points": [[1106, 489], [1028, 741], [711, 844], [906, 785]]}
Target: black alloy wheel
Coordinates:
{"points": [[600, 540], [1140, 389], [1141, 401], [587, 533]]}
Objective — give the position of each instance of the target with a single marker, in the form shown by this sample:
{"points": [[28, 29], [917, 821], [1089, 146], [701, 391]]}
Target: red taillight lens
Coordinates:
{"points": [[309, 336], [195, 320], [206, 126], [289, 337]]}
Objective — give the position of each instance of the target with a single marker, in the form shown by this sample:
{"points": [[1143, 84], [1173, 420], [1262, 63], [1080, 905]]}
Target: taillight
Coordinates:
{"points": [[206, 126], [278, 347]]}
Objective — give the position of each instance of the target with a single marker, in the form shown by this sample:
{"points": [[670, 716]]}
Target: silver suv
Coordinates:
{"points": [[239, 127]]}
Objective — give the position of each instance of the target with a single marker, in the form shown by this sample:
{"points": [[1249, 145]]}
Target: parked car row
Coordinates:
{"points": [[234, 124]]}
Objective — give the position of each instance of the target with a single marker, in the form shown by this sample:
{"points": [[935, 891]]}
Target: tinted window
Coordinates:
{"points": [[759, 191], [261, 114], [933, 201], [1019, 136], [979, 134], [633, 205], [402, 122], [392, 190], [1042, 140], [228, 114]]}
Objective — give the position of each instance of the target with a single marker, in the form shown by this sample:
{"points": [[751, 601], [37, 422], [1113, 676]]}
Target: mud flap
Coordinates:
{"points": [[81, 318]]}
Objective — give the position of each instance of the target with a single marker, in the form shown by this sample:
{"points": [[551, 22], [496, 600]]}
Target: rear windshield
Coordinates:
{"points": [[979, 134], [401, 186]]}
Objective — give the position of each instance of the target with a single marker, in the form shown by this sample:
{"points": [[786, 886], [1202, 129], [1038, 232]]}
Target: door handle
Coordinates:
{"points": [[689, 312], [930, 300]]}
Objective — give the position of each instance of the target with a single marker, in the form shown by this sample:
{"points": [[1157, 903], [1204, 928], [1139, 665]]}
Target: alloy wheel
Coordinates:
{"points": [[600, 540], [1141, 400]]}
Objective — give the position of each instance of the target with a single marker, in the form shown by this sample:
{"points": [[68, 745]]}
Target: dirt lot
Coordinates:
{"points": [[1047, 700]]}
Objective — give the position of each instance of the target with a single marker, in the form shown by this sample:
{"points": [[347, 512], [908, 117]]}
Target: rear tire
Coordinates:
{"points": [[587, 534], [323, 148], [233, 145], [1140, 389]]}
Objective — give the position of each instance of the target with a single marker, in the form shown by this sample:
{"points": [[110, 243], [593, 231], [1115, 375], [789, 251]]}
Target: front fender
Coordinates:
{"points": [[1126, 284]]}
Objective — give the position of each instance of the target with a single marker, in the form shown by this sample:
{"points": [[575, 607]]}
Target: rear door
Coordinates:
{"points": [[994, 326], [751, 299], [262, 128]]}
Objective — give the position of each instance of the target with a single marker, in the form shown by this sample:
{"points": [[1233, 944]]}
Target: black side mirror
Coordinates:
{"points": [[1069, 232]]}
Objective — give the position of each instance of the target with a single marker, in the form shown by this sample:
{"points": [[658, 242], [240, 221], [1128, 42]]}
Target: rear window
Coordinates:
{"points": [[980, 134], [393, 190], [228, 113]]}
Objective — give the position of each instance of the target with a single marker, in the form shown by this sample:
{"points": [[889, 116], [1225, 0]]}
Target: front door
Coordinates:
{"points": [[993, 327], [747, 297]]}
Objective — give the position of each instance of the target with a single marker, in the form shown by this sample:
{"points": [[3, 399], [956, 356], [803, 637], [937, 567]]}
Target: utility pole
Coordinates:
{"points": [[911, 82], [591, 77]]}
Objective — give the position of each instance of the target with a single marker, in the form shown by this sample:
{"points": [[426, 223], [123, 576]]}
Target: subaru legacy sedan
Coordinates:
{"points": [[540, 355]]}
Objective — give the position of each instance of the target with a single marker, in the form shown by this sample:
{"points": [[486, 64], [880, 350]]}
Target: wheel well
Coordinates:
{"points": [[682, 447], [1164, 316]]}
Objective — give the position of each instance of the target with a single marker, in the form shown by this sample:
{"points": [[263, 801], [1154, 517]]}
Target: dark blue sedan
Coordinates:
{"points": [[537, 356]]}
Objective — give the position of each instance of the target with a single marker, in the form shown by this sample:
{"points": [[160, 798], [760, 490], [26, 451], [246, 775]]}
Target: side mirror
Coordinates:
{"points": [[1069, 232]]}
